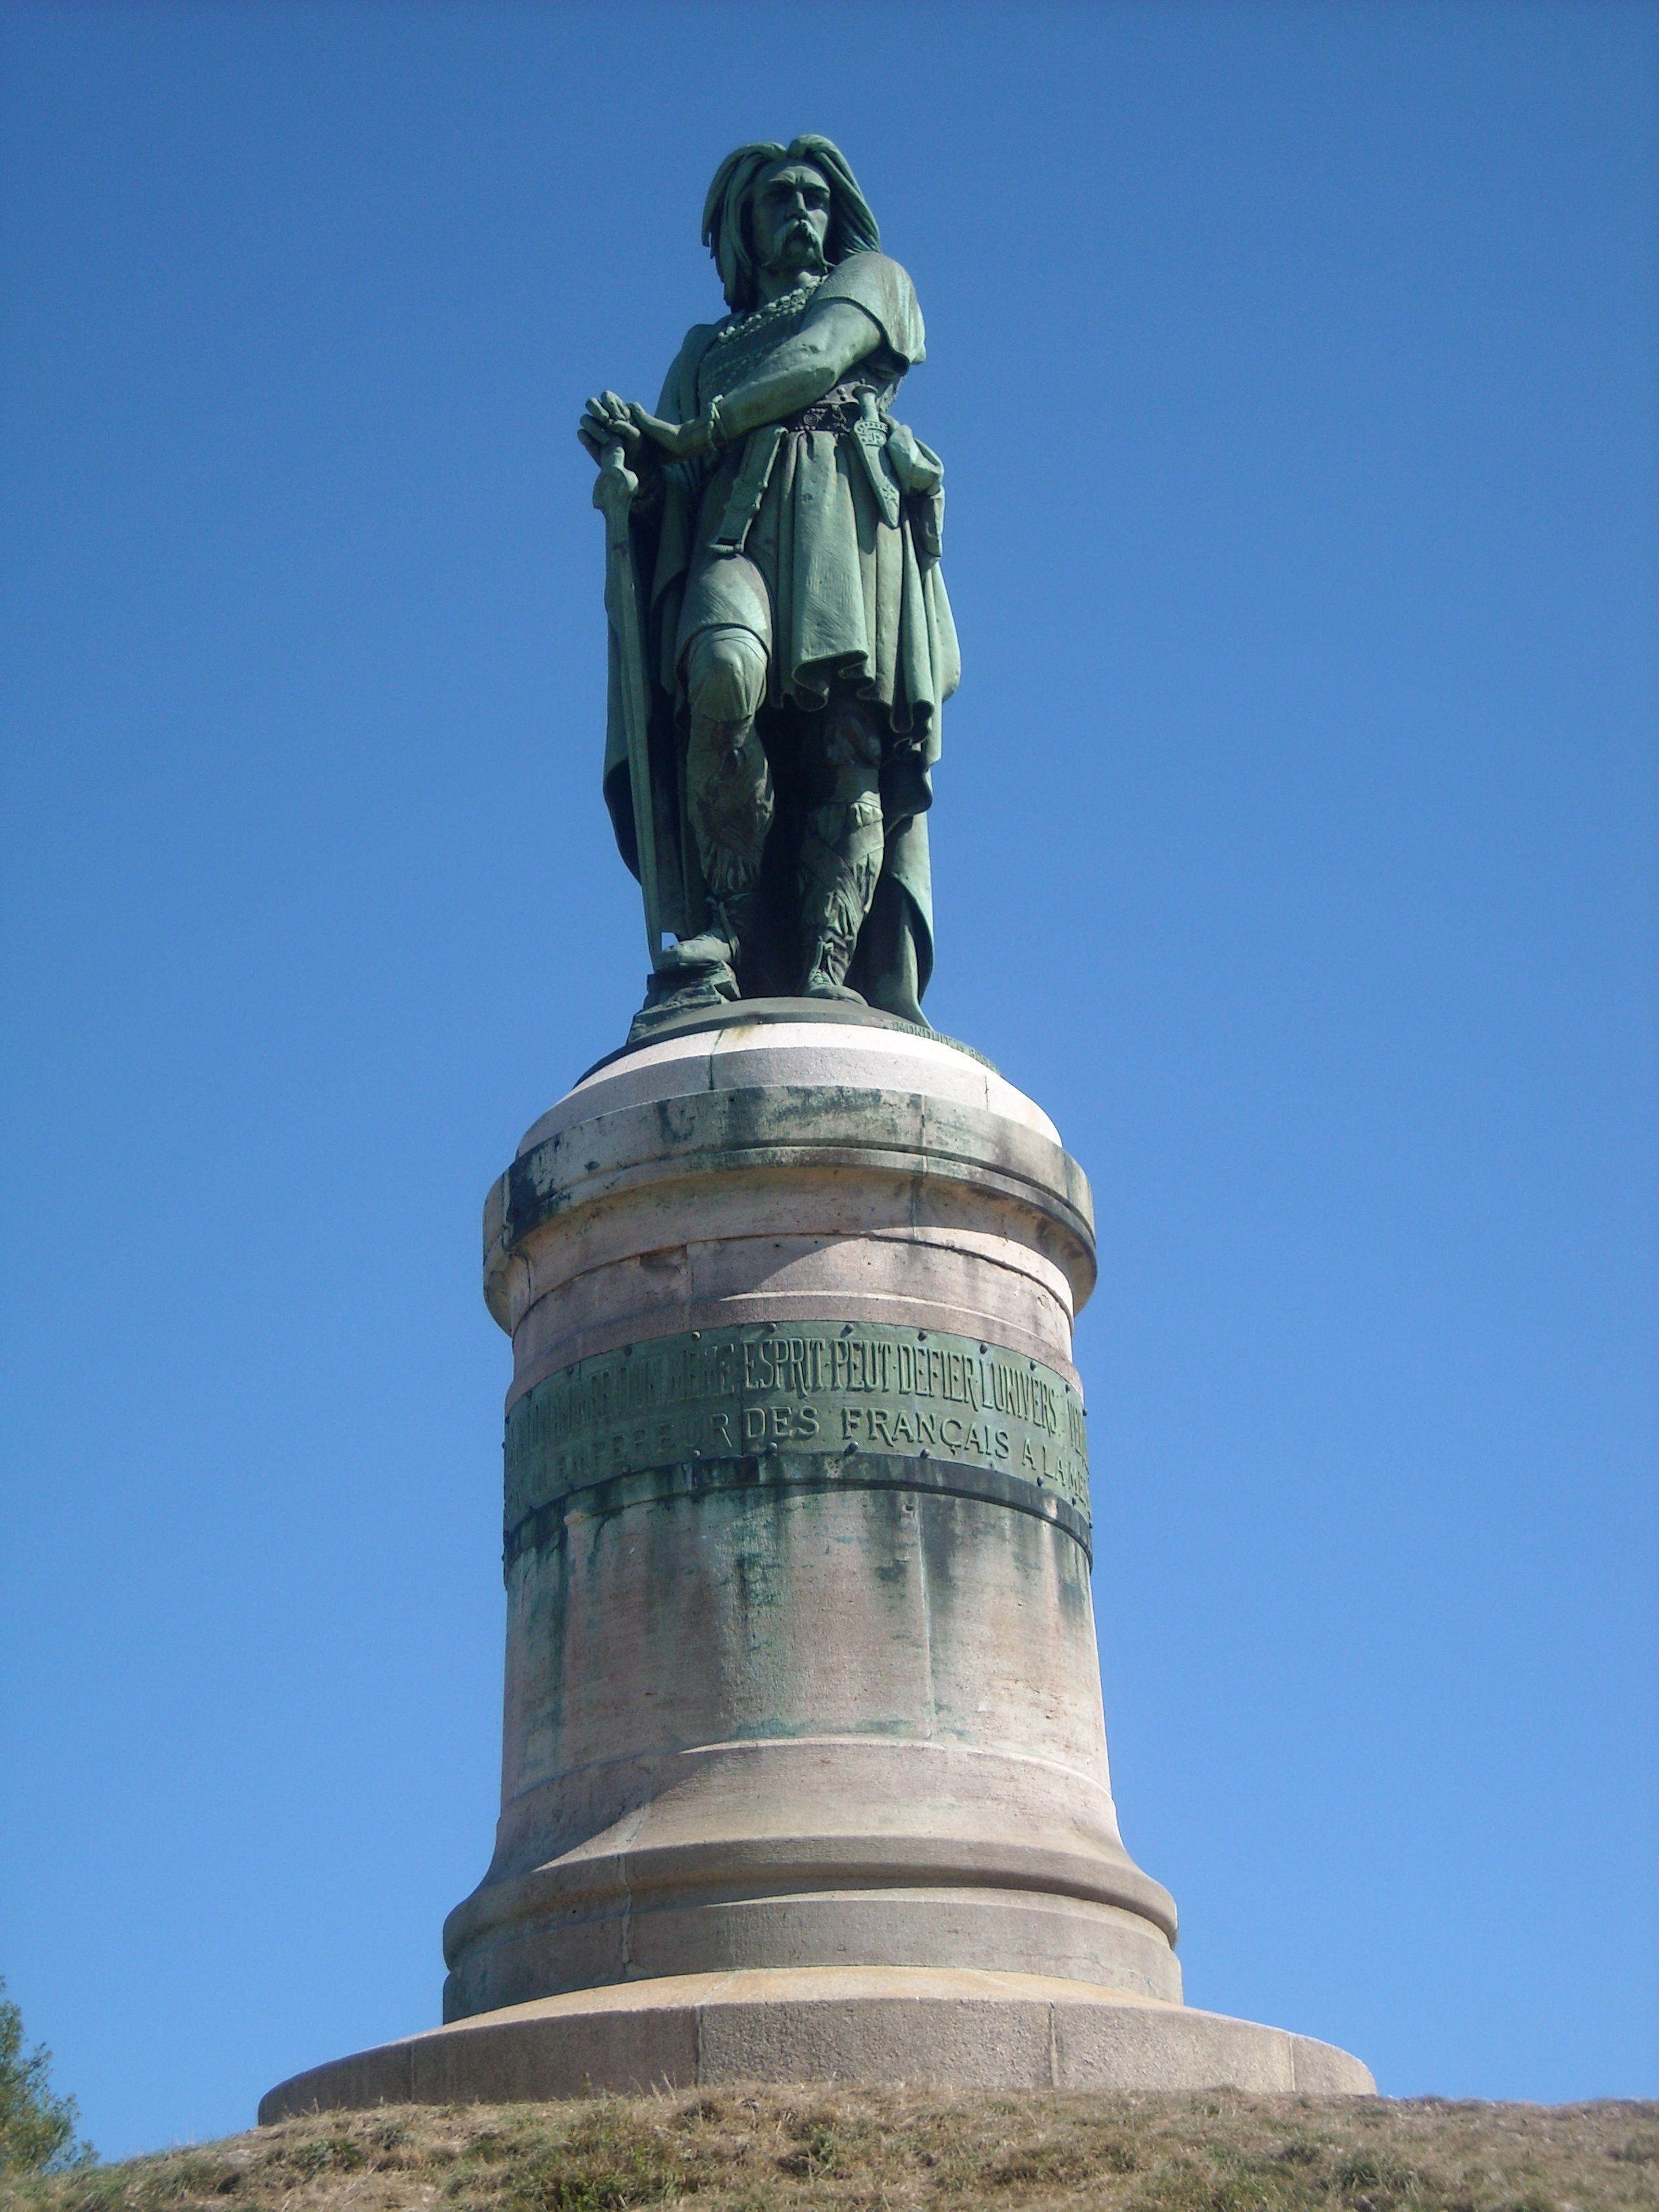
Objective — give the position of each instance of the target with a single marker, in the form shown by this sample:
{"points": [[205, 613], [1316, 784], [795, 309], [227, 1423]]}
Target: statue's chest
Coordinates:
{"points": [[742, 349]]}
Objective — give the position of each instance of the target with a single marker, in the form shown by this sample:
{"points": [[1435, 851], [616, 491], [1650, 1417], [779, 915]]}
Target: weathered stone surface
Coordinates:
{"points": [[788, 1040], [769, 1172], [955, 2028], [804, 1761], [801, 1664]]}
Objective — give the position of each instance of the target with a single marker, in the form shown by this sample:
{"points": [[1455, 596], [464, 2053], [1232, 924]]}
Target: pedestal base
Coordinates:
{"points": [[950, 2028], [803, 1768]]}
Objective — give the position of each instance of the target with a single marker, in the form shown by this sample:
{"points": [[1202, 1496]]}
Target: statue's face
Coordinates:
{"points": [[790, 214]]}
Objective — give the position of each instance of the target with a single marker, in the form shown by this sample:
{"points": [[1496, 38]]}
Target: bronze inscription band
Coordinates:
{"points": [[830, 1388]]}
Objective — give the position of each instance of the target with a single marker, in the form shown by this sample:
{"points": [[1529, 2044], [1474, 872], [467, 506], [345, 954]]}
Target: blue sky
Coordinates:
{"points": [[1293, 369]]}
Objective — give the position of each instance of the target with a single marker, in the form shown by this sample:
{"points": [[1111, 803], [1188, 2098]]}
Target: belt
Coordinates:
{"points": [[857, 419]]}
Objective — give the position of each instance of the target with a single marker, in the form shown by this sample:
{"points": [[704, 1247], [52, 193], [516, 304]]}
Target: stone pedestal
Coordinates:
{"points": [[804, 1765]]}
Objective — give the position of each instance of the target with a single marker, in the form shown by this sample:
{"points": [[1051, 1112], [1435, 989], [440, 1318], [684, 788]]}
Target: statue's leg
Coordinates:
{"points": [[841, 847], [728, 781], [888, 969], [729, 799]]}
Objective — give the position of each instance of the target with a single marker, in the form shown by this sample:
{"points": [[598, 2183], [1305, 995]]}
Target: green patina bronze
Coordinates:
{"points": [[811, 1390], [781, 641]]}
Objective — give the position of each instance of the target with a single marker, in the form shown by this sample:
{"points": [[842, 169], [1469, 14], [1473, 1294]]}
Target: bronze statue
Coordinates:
{"points": [[781, 640]]}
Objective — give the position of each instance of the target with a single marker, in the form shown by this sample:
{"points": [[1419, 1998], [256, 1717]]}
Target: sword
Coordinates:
{"points": [[613, 495]]}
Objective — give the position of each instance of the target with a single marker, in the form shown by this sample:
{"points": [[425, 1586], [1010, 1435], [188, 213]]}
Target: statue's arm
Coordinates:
{"points": [[836, 336], [834, 339]]}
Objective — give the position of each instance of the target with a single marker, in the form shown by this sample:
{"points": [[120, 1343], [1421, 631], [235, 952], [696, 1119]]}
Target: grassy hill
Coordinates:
{"points": [[768, 2147]]}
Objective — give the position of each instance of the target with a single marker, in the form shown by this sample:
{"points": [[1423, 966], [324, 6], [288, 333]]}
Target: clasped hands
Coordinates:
{"points": [[610, 421]]}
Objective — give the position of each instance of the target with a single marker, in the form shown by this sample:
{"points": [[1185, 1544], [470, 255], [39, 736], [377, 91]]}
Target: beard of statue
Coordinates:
{"points": [[789, 222]]}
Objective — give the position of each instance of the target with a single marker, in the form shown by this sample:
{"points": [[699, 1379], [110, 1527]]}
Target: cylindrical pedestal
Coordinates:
{"points": [[804, 1764], [801, 1664]]}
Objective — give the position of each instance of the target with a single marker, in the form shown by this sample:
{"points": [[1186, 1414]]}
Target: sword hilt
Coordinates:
{"points": [[616, 484]]}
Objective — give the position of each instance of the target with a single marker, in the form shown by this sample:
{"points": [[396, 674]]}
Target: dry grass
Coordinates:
{"points": [[764, 2147]]}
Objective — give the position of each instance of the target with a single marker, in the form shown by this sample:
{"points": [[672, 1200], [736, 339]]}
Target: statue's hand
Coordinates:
{"points": [[679, 441], [609, 421]]}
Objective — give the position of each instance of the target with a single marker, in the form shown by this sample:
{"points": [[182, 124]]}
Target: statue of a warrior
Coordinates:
{"points": [[781, 640]]}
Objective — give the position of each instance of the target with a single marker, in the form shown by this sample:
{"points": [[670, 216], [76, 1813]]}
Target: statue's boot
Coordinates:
{"points": [[840, 865], [700, 971]]}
